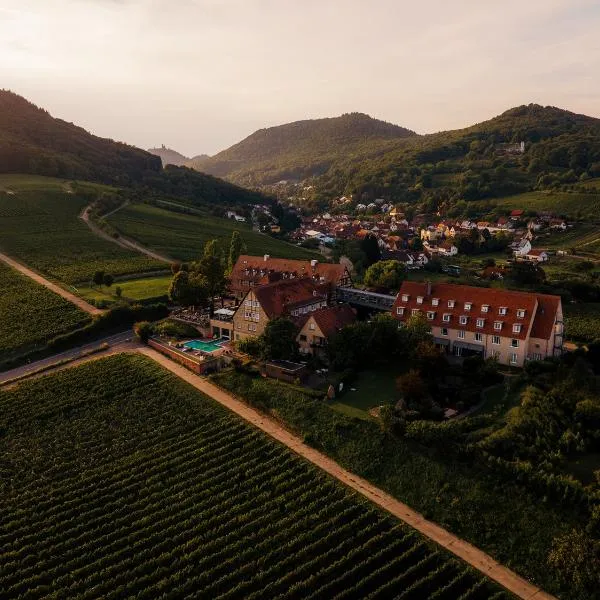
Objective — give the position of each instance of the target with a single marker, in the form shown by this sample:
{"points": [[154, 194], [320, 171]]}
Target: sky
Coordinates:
{"points": [[200, 75]]}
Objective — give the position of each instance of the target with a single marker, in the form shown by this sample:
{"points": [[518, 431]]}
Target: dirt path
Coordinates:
{"points": [[79, 302], [470, 554], [120, 241]]}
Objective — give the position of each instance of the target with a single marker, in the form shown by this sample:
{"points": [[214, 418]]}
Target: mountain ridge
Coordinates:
{"points": [[168, 156]]}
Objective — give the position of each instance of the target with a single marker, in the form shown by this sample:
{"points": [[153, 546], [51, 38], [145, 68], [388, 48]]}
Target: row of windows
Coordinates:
{"points": [[478, 337], [307, 309], [252, 303], [502, 310], [463, 319], [254, 316]]}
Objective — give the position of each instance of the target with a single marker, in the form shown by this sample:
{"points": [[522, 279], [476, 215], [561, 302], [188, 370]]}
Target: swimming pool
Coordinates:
{"points": [[210, 346]]}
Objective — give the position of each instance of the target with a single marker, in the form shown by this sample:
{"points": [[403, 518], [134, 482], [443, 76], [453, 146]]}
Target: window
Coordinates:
{"points": [[444, 331], [463, 320], [419, 299], [311, 326], [485, 308], [517, 328], [497, 325], [430, 315], [496, 340], [480, 322], [536, 356], [415, 311], [461, 334], [404, 297], [450, 303], [521, 313], [514, 343], [514, 358], [435, 301], [478, 337], [468, 305], [446, 317], [400, 310], [248, 303], [502, 310], [302, 338]]}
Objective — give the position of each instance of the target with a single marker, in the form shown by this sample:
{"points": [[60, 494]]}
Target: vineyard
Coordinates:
{"points": [[30, 314], [581, 322], [137, 486], [183, 236], [41, 227]]}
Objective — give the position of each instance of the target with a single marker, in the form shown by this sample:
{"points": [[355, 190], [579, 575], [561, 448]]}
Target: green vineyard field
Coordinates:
{"points": [[30, 314], [183, 236], [41, 227], [120, 481]]}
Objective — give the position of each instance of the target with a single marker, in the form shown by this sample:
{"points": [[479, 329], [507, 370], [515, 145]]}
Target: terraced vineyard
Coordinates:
{"points": [[30, 314], [183, 236], [134, 485], [41, 227]]}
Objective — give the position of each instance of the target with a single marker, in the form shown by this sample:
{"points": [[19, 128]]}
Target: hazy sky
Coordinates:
{"points": [[199, 75]]}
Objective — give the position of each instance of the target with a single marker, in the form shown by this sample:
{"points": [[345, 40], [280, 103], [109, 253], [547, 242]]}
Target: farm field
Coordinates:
{"points": [[183, 236], [582, 322], [30, 314], [133, 289], [42, 229], [136, 485]]}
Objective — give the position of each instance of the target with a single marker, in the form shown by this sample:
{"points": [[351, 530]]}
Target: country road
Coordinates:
{"points": [[79, 302]]}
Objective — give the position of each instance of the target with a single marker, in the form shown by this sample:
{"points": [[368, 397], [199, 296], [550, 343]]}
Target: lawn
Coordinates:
{"points": [[143, 288], [119, 480], [31, 315], [182, 236], [41, 228]]}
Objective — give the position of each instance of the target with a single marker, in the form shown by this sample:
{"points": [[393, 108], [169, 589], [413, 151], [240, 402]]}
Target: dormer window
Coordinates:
{"points": [[480, 322], [430, 315], [497, 325], [435, 301], [404, 297], [400, 310], [517, 328], [485, 308], [450, 303], [502, 310], [468, 305], [446, 317], [520, 313], [419, 299], [463, 320]]}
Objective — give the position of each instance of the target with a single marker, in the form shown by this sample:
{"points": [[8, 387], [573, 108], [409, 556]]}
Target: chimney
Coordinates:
{"points": [[428, 288], [313, 264], [267, 257]]}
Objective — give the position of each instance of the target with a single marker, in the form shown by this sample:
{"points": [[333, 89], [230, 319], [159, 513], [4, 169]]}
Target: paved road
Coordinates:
{"points": [[82, 304], [469, 553], [118, 343]]}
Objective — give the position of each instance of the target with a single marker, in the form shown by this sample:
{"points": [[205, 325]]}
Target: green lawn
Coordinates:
{"points": [[183, 236], [41, 227], [132, 289]]}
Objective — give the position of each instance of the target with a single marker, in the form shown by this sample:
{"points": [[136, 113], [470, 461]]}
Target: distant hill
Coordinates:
{"points": [[169, 156], [299, 150], [32, 141]]}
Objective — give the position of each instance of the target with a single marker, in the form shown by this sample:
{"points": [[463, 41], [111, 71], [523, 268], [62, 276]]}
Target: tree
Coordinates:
{"points": [[387, 274], [143, 330], [411, 387], [175, 267], [188, 289], [416, 244], [524, 273], [178, 287], [108, 279], [235, 249], [279, 340], [370, 247], [118, 291], [98, 277], [211, 268]]}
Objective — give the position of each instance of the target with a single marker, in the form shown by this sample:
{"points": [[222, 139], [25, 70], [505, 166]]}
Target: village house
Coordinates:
{"points": [[509, 326], [521, 248], [252, 271], [517, 215], [558, 224], [316, 328], [286, 298], [537, 255]]}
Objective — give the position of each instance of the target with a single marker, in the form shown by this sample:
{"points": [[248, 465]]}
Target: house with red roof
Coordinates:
{"points": [[317, 327], [510, 326], [537, 255]]}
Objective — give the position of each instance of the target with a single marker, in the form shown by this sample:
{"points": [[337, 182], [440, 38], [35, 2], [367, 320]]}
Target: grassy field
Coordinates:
{"points": [[133, 289], [41, 227], [30, 314], [183, 236], [120, 481]]}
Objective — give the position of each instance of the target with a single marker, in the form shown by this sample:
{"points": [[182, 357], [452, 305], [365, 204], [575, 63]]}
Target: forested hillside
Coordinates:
{"points": [[32, 141], [300, 149]]}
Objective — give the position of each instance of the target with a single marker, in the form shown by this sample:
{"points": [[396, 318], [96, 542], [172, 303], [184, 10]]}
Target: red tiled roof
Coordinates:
{"points": [[516, 213], [278, 298], [493, 298], [535, 252], [332, 318]]}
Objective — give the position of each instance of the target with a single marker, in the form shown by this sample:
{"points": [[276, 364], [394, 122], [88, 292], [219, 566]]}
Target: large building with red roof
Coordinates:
{"points": [[316, 328], [507, 325]]}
